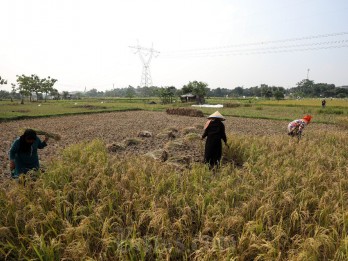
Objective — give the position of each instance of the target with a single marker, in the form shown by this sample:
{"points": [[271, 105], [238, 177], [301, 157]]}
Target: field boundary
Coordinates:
{"points": [[25, 117]]}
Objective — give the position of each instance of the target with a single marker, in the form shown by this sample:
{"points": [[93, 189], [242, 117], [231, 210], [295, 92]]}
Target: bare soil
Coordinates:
{"points": [[116, 127]]}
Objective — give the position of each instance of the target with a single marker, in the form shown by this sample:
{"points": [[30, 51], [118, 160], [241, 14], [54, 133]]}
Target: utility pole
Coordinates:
{"points": [[143, 52]]}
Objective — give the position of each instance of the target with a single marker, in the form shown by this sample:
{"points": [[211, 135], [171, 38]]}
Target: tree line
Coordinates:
{"points": [[304, 89], [27, 85]]}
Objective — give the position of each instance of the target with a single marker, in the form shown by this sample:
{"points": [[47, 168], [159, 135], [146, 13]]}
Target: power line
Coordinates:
{"points": [[272, 48], [259, 43], [263, 52]]}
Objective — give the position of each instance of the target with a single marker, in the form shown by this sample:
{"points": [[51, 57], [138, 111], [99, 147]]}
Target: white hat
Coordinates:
{"points": [[217, 115]]}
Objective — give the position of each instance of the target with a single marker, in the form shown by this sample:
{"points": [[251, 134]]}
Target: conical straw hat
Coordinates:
{"points": [[217, 115]]}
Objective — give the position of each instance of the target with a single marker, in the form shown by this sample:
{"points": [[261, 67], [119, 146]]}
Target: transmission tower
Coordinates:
{"points": [[145, 55]]}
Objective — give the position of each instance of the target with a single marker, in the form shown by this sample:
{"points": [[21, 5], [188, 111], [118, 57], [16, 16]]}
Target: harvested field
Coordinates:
{"points": [[118, 127], [136, 193]]}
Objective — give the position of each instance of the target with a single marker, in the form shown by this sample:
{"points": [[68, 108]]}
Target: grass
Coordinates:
{"points": [[307, 102], [327, 115], [249, 108], [275, 200], [14, 111]]}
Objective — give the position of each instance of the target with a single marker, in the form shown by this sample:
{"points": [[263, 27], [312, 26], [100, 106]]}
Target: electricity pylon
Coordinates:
{"points": [[150, 52]]}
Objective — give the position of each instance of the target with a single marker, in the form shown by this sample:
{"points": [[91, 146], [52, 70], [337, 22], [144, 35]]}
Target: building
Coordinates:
{"points": [[188, 97]]}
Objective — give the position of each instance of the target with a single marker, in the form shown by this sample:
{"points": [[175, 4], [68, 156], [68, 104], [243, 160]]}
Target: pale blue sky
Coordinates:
{"points": [[85, 43]]}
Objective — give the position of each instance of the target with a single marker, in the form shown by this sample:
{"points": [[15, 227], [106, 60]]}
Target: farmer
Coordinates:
{"points": [[297, 126], [214, 130], [323, 103], [23, 153]]}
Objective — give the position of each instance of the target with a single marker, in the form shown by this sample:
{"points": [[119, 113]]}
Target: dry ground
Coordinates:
{"points": [[118, 126]]}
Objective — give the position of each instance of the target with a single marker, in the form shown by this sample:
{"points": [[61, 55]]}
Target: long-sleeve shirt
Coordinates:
{"points": [[300, 124], [216, 129], [215, 132], [25, 161]]}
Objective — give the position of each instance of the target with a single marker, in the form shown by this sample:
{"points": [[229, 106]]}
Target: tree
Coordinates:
{"points": [[13, 92], [36, 85], [200, 89], [92, 93], [305, 87], [341, 95], [130, 93], [166, 94], [55, 94], [266, 91], [278, 95], [65, 95], [238, 91], [2, 81], [47, 85], [4, 94], [24, 86]]}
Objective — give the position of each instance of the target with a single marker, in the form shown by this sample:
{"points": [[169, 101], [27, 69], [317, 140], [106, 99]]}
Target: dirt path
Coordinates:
{"points": [[118, 126]]}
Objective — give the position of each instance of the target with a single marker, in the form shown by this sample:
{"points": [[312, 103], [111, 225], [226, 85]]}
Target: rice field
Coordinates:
{"points": [[272, 198]]}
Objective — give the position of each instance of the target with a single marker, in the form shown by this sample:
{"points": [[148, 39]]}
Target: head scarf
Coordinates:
{"points": [[307, 118], [24, 146]]}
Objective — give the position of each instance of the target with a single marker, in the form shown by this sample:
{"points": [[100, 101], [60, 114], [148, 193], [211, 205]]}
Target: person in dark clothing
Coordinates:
{"points": [[23, 153], [214, 130], [323, 103]]}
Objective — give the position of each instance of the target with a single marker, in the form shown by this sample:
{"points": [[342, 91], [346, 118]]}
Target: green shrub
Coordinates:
{"points": [[231, 105], [330, 111]]}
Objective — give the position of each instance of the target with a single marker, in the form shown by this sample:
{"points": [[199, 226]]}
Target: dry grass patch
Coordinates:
{"points": [[116, 147], [132, 142], [188, 130], [177, 144], [186, 112], [160, 154], [192, 136]]}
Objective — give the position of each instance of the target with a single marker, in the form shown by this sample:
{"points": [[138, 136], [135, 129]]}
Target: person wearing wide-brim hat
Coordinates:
{"points": [[214, 130]]}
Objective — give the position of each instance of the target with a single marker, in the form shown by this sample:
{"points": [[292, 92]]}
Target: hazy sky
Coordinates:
{"points": [[225, 43]]}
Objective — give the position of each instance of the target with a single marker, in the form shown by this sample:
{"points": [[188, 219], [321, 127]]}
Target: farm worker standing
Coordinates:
{"points": [[23, 153], [297, 126], [214, 130], [323, 103]]}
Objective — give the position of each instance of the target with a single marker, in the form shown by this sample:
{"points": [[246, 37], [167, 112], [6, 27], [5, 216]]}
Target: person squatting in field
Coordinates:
{"points": [[214, 130], [23, 153], [296, 127]]}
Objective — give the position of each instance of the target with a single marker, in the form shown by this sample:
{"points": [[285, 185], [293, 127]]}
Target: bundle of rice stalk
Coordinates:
{"points": [[42, 132]]}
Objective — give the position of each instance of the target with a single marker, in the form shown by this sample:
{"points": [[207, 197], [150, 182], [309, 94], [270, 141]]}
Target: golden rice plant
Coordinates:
{"points": [[271, 199]]}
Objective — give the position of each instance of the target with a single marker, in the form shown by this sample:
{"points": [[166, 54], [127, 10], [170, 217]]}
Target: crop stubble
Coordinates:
{"points": [[118, 126]]}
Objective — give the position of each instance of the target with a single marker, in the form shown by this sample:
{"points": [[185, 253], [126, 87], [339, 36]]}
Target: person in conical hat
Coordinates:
{"points": [[214, 130], [296, 127]]}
